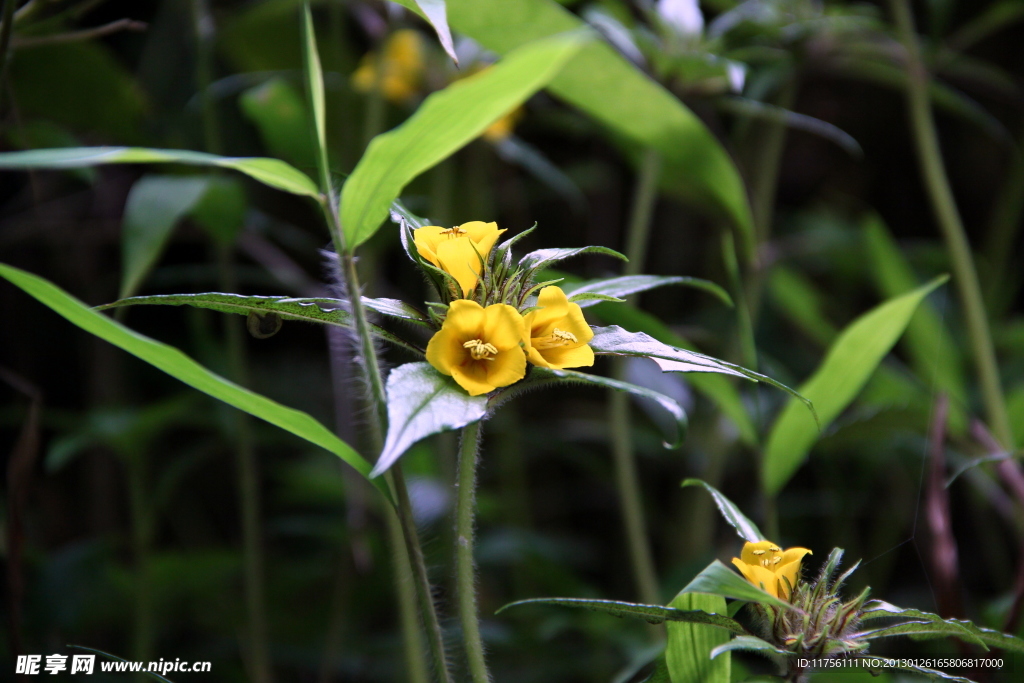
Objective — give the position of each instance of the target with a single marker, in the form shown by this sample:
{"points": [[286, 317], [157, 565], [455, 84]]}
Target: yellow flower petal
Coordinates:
{"points": [[460, 259], [479, 347], [759, 576], [758, 552], [565, 357]]}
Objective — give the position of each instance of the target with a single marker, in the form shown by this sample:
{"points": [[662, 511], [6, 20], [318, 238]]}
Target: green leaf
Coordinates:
{"points": [[926, 623], [652, 614], [317, 310], [751, 644], [444, 123], [396, 308], [848, 365], [624, 99], [933, 351], [272, 172], [421, 402], [543, 258], [178, 365], [617, 341], [280, 115], [314, 77], [540, 377], [221, 210], [717, 579], [437, 14], [747, 530], [755, 109], [714, 386], [632, 284], [154, 206], [690, 646]]}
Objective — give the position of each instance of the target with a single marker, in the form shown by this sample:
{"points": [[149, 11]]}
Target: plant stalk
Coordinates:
{"points": [[464, 568], [929, 157], [5, 42], [249, 489], [371, 368], [620, 422]]}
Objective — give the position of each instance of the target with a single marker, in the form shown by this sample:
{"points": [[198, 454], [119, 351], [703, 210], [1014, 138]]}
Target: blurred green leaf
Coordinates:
{"points": [[280, 114], [316, 310], [444, 123], [747, 530], [690, 645], [80, 85], [178, 365], [221, 209], [421, 402], [154, 206], [996, 16], [633, 284], [272, 172], [933, 351], [717, 579], [801, 303], [603, 84], [850, 361]]}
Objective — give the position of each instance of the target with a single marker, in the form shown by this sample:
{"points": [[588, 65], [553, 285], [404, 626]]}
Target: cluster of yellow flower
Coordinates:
{"points": [[484, 348]]}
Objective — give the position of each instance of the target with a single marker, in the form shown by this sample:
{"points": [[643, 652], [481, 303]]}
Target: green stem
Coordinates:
{"points": [[202, 22], [465, 571], [929, 158], [141, 540], [249, 489], [620, 422], [405, 588], [423, 591]]}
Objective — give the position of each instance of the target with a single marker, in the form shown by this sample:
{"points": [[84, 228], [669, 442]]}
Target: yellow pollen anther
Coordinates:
{"points": [[775, 549], [453, 232], [760, 552], [777, 560], [481, 350], [562, 335]]}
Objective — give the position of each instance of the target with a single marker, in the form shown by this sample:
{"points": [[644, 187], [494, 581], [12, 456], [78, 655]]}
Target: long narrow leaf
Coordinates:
{"points": [[747, 530], [443, 124], [178, 365], [272, 172], [633, 284], [848, 365], [717, 579], [653, 614], [321, 310], [437, 14]]}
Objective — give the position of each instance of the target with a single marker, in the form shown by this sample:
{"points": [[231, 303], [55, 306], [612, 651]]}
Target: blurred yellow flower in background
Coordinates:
{"points": [[558, 332], [398, 73], [479, 347], [457, 251], [766, 565]]}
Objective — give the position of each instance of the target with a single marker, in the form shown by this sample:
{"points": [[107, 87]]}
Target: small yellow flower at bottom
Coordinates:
{"points": [[479, 347], [767, 565], [558, 333]]}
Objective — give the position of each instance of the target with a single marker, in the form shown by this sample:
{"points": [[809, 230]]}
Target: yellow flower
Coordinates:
{"points": [[558, 333], [455, 250], [480, 347], [398, 73], [766, 565]]}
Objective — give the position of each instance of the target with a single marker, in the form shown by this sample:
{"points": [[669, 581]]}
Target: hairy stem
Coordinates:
{"points": [[929, 158], [465, 571], [619, 420]]}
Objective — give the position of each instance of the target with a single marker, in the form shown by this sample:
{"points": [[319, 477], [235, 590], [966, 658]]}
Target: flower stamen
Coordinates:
{"points": [[453, 232], [481, 350], [555, 339]]}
